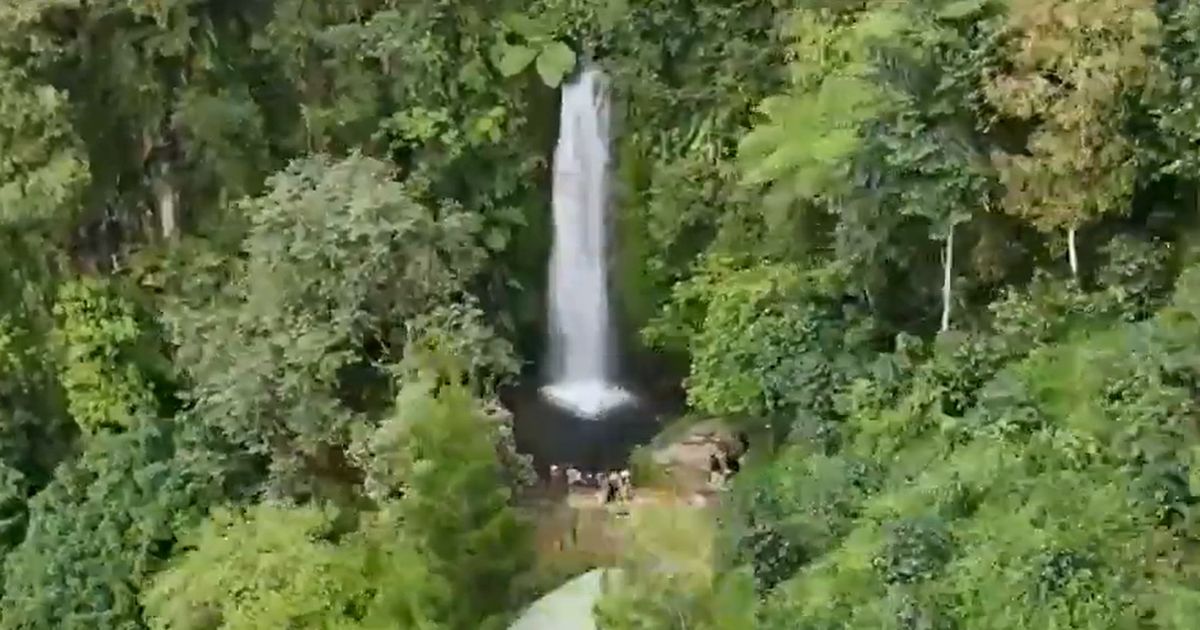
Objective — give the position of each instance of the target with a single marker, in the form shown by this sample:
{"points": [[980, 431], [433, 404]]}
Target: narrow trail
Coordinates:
{"points": [[581, 530]]}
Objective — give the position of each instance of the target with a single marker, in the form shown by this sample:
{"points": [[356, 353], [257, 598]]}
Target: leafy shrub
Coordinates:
{"points": [[1043, 312], [106, 361], [293, 353], [291, 567], [666, 578], [1135, 275], [13, 512], [768, 340], [476, 543], [103, 526], [915, 550], [798, 509]]}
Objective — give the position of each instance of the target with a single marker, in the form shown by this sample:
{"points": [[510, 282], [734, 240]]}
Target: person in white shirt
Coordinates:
{"points": [[626, 486]]}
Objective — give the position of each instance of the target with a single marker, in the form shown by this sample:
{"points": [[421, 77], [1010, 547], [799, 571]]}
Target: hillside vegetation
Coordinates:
{"points": [[267, 266]]}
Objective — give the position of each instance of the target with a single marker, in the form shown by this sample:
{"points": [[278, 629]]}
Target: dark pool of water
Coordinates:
{"points": [[553, 435]]}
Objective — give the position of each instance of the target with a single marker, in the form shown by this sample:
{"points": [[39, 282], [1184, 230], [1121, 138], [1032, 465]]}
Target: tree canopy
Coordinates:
{"points": [[268, 269]]}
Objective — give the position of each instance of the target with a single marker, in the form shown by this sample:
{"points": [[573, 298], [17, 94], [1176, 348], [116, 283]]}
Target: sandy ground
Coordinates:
{"points": [[580, 524], [577, 531]]}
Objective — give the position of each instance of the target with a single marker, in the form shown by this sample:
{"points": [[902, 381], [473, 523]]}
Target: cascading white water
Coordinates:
{"points": [[581, 344]]}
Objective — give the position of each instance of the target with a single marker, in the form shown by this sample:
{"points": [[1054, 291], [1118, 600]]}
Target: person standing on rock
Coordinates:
{"points": [[555, 483], [612, 487], [716, 470], [732, 465], [574, 477]]}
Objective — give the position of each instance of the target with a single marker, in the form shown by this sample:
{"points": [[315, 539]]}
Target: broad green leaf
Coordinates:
{"points": [[961, 9], [525, 26], [555, 61], [514, 59], [881, 26], [511, 214], [496, 239], [611, 13]]}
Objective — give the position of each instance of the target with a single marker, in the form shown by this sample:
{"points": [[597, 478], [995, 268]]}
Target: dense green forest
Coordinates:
{"points": [[267, 265]]}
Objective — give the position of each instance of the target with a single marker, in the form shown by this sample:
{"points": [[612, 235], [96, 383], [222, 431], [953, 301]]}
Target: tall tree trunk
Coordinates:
{"points": [[948, 275], [1072, 253], [168, 203]]}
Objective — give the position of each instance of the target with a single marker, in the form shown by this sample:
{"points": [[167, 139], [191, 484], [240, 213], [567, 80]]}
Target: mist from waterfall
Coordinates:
{"points": [[581, 335]]}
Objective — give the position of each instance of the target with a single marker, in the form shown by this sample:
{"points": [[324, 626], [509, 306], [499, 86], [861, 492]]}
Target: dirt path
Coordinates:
{"points": [[580, 528]]}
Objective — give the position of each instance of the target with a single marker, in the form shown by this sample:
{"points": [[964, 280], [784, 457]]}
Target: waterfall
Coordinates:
{"points": [[581, 338]]}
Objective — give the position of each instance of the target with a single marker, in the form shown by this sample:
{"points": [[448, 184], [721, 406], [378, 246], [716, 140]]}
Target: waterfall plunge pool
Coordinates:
{"points": [[552, 433], [591, 399]]}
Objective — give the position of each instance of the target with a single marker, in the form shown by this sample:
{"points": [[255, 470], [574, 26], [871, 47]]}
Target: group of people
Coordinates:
{"points": [[725, 461], [618, 486], [613, 486]]}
